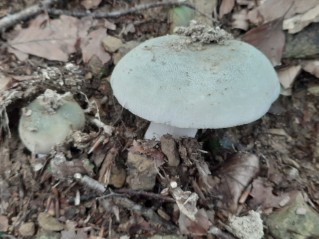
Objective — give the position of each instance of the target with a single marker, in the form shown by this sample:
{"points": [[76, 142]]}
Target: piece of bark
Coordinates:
{"points": [[169, 148]]}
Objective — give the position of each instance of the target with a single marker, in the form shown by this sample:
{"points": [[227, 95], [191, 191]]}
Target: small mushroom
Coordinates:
{"points": [[181, 85], [48, 120]]}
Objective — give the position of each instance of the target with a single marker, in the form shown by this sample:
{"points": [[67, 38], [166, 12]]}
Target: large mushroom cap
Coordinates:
{"points": [[171, 81]]}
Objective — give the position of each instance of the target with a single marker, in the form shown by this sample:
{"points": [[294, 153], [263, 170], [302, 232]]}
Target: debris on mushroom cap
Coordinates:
{"points": [[204, 34], [48, 120], [175, 81]]}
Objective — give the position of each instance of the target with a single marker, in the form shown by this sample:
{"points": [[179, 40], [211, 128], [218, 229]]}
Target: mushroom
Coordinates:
{"points": [[182, 85], [49, 120]]}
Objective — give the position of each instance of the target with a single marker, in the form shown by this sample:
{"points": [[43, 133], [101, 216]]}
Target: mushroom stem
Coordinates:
{"points": [[155, 131]]}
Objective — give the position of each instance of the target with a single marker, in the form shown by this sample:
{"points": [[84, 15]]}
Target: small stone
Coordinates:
{"points": [[27, 229], [297, 217], [247, 227], [111, 44], [49, 223]]}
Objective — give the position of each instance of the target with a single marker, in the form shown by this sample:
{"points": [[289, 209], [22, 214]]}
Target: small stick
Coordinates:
{"points": [[121, 12], [151, 216], [29, 12], [145, 194], [90, 182]]}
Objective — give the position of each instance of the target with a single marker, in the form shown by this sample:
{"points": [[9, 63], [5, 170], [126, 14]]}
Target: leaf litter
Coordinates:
{"points": [[213, 181], [57, 39]]}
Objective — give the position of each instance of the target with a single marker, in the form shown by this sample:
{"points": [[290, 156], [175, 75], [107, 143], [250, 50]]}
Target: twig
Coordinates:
{"points": [[121, 12], [11, 20], [90, 182], [148, 213], [144, 194], [106, 128]]}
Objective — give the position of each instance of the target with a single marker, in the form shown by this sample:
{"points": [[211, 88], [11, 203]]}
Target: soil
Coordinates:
{"points": [[107, 182]]}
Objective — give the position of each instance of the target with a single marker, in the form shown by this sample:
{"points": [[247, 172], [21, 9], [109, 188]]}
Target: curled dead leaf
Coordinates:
{"points": [[269, 39], [226, 7]]}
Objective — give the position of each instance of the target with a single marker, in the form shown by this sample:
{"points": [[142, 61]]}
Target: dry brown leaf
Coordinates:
{"points": [[169, 148], [90, 4], [197, 227], [272, 9], [186, 202], [262, 196], [311, 67], [4, 82], [299, 22], [288, 75], [92, 46], [269, 11], [50, 39], [235, 175], [206, 181], [20, 55], [269, 39], [226, 7]]}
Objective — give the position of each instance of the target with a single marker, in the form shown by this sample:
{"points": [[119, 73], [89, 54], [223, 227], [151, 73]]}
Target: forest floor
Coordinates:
{"points": [[258, 180]]}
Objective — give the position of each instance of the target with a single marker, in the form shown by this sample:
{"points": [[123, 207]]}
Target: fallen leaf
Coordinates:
{"points": [[269, 39], [273, 9], [269, 10], [235, 175], [226, 7], [20, 55], [205, 179], [311, 67], [92, 46], [288, 75], [186, 202], [197, 227], [262, 196], [299, 22], [50, 39], [169, 148]]}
